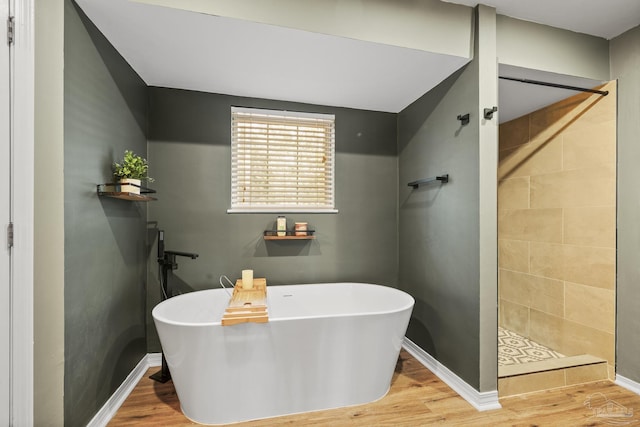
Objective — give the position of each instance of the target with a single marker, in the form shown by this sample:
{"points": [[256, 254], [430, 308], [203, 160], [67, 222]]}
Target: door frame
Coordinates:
{"points": [[23, 60], [5, 220]]}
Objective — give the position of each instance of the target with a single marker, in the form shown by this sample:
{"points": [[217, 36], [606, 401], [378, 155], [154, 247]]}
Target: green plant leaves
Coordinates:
{"points": [[132, 166]]}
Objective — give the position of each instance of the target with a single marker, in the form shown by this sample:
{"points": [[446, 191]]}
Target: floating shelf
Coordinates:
{"points": [[113, 190], [289, 235]]}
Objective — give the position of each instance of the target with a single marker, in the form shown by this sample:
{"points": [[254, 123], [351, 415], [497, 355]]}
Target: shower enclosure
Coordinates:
{"points": [[557, 244]]}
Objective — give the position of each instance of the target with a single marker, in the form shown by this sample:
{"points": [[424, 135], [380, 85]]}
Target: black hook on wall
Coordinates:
{"points": [[488, 112], [464, 119]]}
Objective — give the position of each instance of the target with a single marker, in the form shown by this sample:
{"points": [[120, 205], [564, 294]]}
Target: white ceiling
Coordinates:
{"points": [[187, 50]]}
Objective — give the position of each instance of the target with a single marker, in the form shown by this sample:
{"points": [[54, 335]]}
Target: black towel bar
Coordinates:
{"points": [[442, 179]]}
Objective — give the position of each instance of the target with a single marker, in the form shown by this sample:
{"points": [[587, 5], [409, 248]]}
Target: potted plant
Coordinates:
{"points": [[131, 172]]}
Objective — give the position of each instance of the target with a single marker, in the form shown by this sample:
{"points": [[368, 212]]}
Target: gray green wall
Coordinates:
{"points": [[189, 153], [447, 233], [438, 224], [105, 250], [541, 47], [625, 66]]}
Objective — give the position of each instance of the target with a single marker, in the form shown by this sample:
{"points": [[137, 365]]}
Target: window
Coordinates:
{"points": [[282, 161]]}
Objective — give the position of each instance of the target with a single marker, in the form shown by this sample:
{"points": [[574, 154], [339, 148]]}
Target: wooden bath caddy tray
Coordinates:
{"points": [[247, 305]]}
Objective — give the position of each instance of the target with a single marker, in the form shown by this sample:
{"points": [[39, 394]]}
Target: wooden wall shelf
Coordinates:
{"points": [[112, 190], [290, 235]]}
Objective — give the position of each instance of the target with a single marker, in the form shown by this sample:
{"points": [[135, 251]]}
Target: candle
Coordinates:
{"points": [[247, 279], [301, 228]]}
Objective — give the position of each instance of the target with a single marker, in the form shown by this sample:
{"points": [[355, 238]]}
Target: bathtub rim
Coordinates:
{"points": [[408, 305]]}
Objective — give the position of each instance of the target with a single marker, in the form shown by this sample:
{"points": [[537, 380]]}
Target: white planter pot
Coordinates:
{"points": [[130, 185]]}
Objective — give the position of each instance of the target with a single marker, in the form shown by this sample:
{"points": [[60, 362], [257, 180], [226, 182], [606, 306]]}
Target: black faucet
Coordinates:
{"points": [[167, 261]]}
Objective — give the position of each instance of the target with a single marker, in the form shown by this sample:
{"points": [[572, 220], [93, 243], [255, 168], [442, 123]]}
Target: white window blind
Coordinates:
{"points": [[282, 161]]}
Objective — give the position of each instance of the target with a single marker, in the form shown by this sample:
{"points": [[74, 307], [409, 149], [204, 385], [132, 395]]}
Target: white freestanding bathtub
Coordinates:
{"points": [[325, 346]]}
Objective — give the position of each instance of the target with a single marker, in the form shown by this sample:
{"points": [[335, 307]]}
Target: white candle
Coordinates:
{"points": [[301, 228], [247, 279]]}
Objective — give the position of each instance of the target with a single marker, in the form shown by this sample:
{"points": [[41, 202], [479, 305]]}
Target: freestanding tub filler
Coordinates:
{"points": [[325, 346]]}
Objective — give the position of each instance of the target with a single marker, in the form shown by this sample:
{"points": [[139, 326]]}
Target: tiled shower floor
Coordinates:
{"points": [[514, 349]]}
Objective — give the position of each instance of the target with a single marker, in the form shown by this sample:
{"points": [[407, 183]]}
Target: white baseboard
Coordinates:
{"points": [[628, 384], [116, 400], [482, 401], [154, 359]]}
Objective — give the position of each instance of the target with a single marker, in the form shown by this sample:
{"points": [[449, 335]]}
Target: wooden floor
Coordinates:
{"points": [[417, 398]]}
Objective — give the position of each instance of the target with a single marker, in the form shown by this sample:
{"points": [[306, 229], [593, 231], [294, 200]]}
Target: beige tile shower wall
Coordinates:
{"points": [[556, 225]]}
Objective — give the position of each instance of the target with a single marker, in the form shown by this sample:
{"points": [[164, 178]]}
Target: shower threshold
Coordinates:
{"points": [[518, 355], [525, 366], [548, 365]]}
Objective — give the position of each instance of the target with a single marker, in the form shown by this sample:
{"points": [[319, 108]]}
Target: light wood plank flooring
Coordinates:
{"points": [[417, 398]]}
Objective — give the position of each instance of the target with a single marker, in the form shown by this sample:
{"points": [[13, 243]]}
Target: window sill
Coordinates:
{"points": [[283, 210]]}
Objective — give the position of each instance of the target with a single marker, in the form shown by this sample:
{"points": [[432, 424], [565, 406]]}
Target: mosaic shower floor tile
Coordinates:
{"points": [[514, 349]]}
